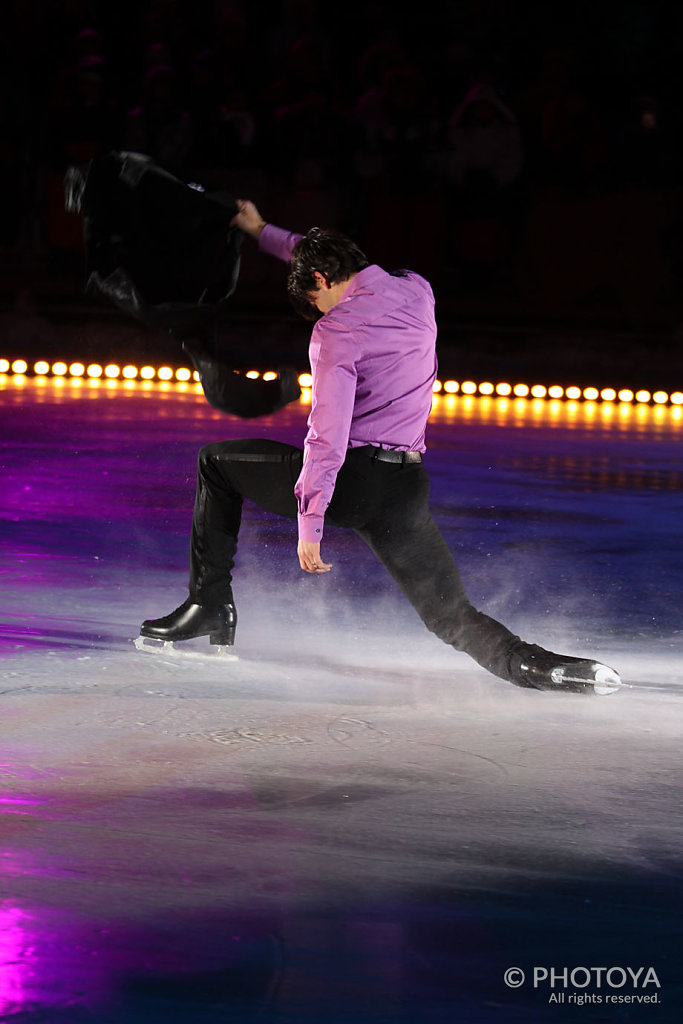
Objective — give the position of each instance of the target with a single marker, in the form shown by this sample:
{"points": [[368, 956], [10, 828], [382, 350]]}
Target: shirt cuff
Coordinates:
{"points": [[310, 529]]}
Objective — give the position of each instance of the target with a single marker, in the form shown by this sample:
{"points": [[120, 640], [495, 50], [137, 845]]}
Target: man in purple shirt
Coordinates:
{"points": [[373, 363]]}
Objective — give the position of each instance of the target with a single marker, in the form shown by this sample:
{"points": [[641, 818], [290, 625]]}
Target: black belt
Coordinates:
{"points": [[386, 455]]}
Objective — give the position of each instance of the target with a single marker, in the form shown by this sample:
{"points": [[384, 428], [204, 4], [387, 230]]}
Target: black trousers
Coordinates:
{"points": [[387, 504]]}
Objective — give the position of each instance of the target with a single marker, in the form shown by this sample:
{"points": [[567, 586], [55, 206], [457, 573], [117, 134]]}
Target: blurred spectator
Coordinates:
{"points": [[565, 135], [223, 123], [374, 64], [305, 78], [232, 45], [308, 142], [485, 145], [295, 20], [304, 120], [399, 130], [379, 58], [82, 122], [203, 101], [157, 55], [160, 126], [164, 21], [236, 128], [643, 154], [89, 42], [575, 141], [22, 75], [549, 81], [400, 208], [482, 165]]}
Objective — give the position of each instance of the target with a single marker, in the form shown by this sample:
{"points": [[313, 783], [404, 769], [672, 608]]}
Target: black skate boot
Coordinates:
{"points": [[189, 621], [539, 669]]}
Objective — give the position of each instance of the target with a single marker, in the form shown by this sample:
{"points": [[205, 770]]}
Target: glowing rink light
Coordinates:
{"points": [[444, 391]]}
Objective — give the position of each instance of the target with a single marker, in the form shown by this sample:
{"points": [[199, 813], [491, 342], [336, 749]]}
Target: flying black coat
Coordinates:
{"points": [[166, 253]]}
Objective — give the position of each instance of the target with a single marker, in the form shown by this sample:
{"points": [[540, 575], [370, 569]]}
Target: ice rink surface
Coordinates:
{"points": [[351, 822]]}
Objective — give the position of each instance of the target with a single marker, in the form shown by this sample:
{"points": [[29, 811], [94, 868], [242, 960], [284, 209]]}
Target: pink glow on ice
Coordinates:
{"points": [[16, 950]]}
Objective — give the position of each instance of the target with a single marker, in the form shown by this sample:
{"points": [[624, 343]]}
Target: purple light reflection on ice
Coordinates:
{"points": [[16, 950], [47, 962], [15, 803]]}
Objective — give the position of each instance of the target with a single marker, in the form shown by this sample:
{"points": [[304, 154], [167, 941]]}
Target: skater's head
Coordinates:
{"points": [[322, 265]]}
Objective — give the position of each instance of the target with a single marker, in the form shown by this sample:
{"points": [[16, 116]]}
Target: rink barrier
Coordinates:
{"points": [[183, 376]]}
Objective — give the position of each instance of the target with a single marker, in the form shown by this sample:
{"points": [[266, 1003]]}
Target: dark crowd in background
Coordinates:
{"points": [[519, 149]]}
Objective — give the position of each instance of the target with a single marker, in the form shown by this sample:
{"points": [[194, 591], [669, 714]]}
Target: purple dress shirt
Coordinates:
{"points": [[373, 363]]}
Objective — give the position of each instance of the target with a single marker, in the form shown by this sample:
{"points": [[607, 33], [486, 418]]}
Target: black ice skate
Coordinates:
{"points": [[188, 622], [538, 669]]}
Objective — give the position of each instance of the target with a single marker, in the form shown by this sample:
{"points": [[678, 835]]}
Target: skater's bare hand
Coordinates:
{"points": [[248, 219], [309, 557]]}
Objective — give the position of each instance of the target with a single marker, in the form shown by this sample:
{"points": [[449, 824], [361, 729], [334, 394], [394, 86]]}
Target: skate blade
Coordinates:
{"points": [[605, 680], [150, 645]]}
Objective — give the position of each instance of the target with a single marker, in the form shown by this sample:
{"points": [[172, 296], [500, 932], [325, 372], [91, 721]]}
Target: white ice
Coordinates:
{"points": [[351, 820]]}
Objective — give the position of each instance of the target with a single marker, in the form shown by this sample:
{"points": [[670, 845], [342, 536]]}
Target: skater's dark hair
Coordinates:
{"points": [[332, 254]]}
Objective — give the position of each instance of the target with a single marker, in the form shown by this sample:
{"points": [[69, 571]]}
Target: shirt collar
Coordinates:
{"points": [[363, 282]]}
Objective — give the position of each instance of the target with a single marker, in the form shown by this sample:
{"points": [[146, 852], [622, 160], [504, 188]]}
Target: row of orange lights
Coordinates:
{"points": [[95, 371], [556, 391]]}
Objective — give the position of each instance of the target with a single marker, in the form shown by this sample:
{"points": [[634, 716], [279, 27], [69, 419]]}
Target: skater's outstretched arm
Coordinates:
{"points": [[274, 241]]}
